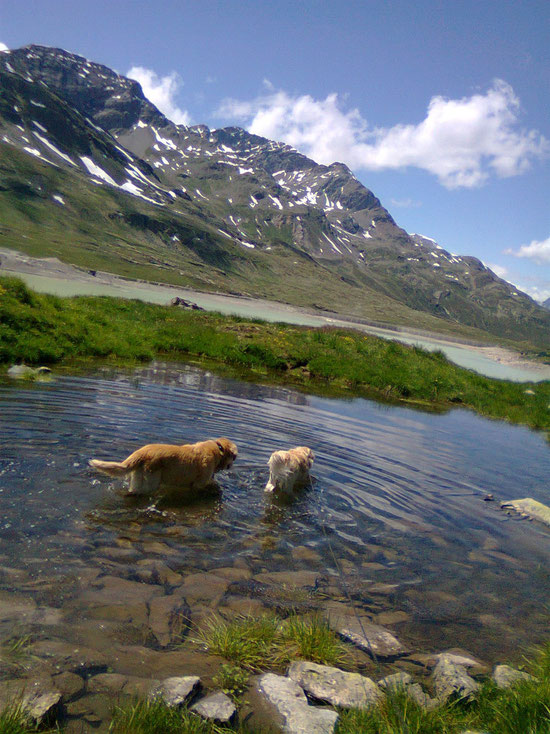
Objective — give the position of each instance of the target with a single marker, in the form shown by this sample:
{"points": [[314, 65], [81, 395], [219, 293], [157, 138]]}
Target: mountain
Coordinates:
{"points": [[219, 209], [546, 304]]}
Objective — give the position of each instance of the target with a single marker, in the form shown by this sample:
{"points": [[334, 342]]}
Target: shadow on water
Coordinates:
{"points": [[395, 518]]}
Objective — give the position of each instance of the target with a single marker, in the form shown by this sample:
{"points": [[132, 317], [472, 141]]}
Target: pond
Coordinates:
{"points": [[395, 519]]}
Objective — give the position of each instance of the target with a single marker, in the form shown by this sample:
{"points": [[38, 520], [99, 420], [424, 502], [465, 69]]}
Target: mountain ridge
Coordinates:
{"points": [[245, 192]]}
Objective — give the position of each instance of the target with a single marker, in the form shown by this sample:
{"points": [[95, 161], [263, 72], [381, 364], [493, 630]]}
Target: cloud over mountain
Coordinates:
{"points": [[539, 251], [161, 91], [461, 141]]}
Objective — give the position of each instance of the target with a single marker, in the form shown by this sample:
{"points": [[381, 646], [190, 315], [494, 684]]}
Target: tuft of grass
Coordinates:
{"points": [[266, 642], [311, 638], [250, 642], [524, 708], [14, 720]]}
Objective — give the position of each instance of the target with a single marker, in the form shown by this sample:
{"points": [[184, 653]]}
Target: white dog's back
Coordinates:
{"points": [[289, 469]]}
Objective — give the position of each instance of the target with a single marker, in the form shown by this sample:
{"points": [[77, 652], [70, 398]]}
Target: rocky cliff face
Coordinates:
{"points": [[247, 192]]}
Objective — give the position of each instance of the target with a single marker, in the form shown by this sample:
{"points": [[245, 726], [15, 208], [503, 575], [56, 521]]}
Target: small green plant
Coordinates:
{"points": [[232, 679], [15, 652]]}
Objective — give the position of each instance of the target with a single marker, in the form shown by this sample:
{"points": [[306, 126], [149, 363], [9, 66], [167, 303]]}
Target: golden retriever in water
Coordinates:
{"points": [[191, 466], [289, 469]]}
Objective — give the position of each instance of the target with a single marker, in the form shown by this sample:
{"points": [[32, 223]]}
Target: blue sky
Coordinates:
{"points": [[440, 108]]}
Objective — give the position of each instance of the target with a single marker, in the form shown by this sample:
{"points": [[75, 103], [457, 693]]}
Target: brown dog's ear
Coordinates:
{"points": [[221, 448]]}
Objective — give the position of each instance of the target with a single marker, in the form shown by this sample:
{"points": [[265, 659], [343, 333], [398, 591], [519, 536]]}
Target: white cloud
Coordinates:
{"points": [[405, 203], [499, 270], [461, 141], [161, 91], [537, 293], [3, 47], [537, 251]]}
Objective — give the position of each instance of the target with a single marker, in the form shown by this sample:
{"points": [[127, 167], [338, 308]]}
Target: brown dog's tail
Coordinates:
{"points": [[112, 468]]}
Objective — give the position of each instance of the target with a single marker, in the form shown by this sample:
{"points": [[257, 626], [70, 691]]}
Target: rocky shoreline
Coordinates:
{"points": [[61, 675]]}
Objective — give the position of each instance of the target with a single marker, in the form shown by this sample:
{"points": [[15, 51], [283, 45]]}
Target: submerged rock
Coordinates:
{"points": [[176, 690], [24, 372], [530, 508], [68, 657], [168, 619], [505, 676], [290, 712], [335, 686], [372, 638]]}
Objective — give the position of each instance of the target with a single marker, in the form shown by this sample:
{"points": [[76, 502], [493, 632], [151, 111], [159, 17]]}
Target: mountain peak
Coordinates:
{"points": [[247, 198]]}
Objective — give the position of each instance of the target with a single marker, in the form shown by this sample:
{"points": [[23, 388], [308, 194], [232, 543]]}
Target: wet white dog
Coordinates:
{"points": [[289, 470]]}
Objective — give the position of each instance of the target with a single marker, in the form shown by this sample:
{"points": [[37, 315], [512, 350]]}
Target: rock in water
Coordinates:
{"points": [[530, 507], [372, 638], [176, 690]]}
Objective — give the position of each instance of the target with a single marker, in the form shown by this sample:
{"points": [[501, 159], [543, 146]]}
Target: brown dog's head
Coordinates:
{"points": [[228, 453]]}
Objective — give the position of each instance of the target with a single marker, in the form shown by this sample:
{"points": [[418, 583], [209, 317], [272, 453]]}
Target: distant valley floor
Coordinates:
{"points": [[50, 275]]}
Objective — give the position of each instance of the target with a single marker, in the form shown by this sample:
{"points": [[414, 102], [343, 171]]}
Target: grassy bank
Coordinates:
{"points": [[41, 329], [524, 708]]}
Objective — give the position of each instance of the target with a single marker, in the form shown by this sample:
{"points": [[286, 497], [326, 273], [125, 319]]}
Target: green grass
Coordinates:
{"points": [[399, 714], [41, 329], [311, 638], [249, 642], [524, 708], [155, 717], [14, 720], [268, 643]]}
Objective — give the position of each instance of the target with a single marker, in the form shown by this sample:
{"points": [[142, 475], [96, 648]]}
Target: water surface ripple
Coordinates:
{"points": [[396, 506]]}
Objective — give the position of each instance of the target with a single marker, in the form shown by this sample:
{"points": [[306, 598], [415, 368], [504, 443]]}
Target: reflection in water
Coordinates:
{"points": [[396, 504]]}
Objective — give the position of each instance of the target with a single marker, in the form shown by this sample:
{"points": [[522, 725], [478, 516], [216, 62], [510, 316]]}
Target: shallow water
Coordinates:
{"points": [[395, 519], [461, 355]]}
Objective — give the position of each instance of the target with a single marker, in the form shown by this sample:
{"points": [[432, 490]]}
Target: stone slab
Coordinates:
{"points": [[335, 686]]}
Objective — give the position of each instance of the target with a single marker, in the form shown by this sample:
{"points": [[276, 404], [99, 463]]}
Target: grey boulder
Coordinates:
{"points": [[505, 676], [335, 686], [289, 707], [175, 691], [217, 707], [452, 679]]}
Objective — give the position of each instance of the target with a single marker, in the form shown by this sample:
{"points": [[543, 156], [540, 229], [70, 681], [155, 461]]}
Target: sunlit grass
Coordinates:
{"points": [[155, 717], [267, 643]]}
